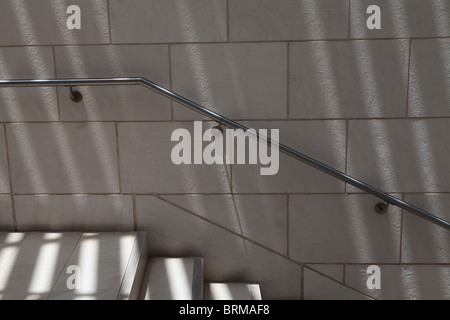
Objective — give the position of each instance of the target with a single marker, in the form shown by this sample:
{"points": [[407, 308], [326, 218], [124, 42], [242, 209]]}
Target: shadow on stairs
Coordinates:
{"points": [[103, 265]]}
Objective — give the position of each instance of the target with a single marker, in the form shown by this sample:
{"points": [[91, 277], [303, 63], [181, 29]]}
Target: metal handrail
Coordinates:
{"points": [[234, 125]]}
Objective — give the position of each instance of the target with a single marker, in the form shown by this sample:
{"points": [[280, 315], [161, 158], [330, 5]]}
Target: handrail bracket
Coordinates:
{"points": [[381, 207], [75, 95]]}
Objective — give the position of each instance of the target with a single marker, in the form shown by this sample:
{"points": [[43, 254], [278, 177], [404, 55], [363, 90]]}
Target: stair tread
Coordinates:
{"points": [[173, 279], [232, 291]]}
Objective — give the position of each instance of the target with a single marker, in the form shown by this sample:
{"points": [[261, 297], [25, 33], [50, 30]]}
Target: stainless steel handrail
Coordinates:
{"points": [[231, 124]]}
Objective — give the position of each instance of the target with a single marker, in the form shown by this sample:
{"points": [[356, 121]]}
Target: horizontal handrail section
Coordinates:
{"points": [[234, 125]]}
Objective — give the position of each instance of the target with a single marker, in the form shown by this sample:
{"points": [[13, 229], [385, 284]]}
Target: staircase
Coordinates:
{"points": [[182, 279], [104, 265]]}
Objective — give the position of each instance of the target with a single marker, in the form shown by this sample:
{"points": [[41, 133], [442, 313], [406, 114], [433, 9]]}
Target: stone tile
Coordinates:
{"points": [[134, 274], [32, 270], [9, 242], [146, 165], [27, 104], [287, 19], [114, 102], [74, 212], [11, 238], [168, 279], [402, 19], [36, 23], [232, 291], [138, 21], [235, 80], [318, 287], [429, 92], [36, 269], [342, 228], [32, 248], [102, 259], [432, 244], [321, 140], [6, 215], [348, 79], [227, 257], [262, 218], [21, 278], [403, 282], [335, 271], [4, 175], [63, 157], [400, 155]]}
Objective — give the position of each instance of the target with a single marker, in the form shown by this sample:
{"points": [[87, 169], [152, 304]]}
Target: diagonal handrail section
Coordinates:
{"points": [[234, 125]]}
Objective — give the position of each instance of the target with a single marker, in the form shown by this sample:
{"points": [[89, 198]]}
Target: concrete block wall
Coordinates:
{"points": [[371, 103]]}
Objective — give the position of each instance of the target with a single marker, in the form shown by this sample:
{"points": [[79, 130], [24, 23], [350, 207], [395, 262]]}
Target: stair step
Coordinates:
{"points": [[173, 279], [71, 265], [232, 291]]}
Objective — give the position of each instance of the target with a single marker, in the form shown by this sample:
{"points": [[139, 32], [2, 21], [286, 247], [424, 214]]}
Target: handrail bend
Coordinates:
{"points": [[234, 125]]}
